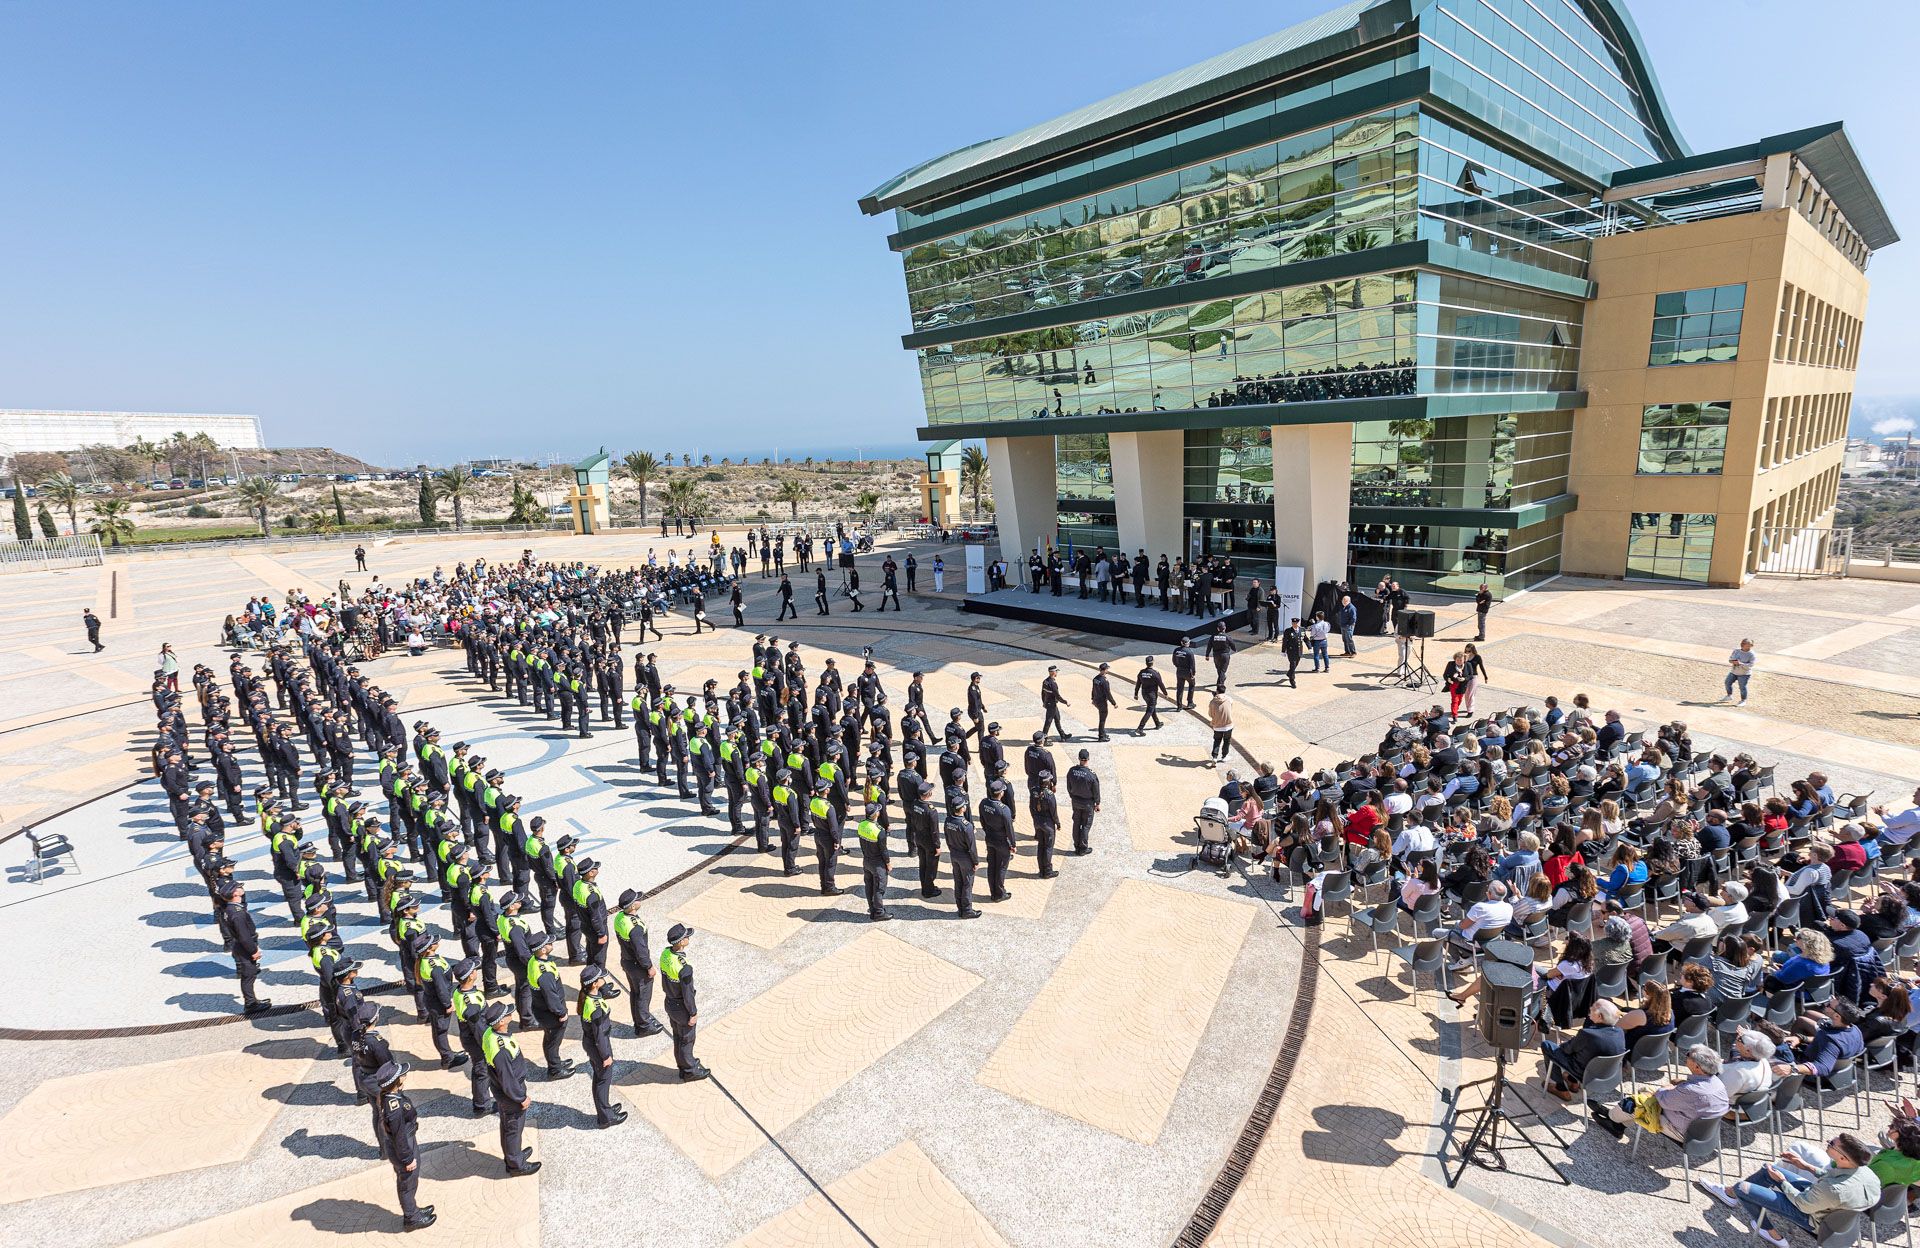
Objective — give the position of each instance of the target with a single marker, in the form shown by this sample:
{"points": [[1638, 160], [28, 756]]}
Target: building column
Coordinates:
{"points": [[1149, 491], [1026, 502], [1312, 492], [1462, 470]]}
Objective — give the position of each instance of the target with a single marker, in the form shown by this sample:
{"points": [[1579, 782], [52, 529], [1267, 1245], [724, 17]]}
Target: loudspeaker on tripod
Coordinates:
{"points": [[1419, 623], [1506, 998]]}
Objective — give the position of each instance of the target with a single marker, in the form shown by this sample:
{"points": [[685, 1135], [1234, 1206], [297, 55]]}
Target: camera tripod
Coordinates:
{"points": [[1413, 675], [1483, 1146]]}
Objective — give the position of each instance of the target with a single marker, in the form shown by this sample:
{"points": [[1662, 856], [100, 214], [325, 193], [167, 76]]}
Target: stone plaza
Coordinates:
{"points": [[1135, 1053]]}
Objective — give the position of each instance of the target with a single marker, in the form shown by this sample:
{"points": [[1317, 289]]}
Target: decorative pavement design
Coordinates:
{"points": [[1125, 1016]]}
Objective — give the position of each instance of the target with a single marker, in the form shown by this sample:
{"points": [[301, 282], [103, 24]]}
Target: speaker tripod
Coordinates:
{"points": [[1413, 675], [1483, 1146]]}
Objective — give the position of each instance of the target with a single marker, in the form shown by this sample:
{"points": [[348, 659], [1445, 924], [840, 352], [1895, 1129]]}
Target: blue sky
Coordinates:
{"points": [[433, 230]]}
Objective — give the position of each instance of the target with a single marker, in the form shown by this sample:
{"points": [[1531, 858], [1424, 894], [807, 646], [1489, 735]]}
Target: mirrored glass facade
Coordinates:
{"points": [[1217, 258], [1684, 439], [1669, 546], [1697, 326]]}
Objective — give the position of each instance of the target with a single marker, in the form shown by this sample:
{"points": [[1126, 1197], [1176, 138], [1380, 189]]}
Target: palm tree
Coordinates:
{"points": [[706, 461], [456, 485], [525, 507], [793, 491], [973, 474], [641, 467], [111, 521], [65, 491], [154, 453], [865, 503], [258, 494], [179, 447], [682, 498]]}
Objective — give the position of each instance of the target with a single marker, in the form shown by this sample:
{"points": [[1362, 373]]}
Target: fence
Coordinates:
{"points": [[1801, 552], [39, 553]]}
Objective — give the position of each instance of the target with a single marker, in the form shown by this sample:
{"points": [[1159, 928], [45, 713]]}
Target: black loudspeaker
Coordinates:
{"points": [[1418, 623], [1506, 999]]}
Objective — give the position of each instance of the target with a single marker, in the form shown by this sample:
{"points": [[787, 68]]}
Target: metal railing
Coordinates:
{"points": [[1886, 556], [81, 550], [1800, 552]]}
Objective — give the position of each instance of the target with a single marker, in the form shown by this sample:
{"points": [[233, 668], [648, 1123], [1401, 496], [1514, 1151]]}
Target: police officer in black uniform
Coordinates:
{"points": [[398, 1120], [597, 990], [1083, 791], [683, 1010], [962, 844], [508, 1071], [1103, 699], [636, 962]]}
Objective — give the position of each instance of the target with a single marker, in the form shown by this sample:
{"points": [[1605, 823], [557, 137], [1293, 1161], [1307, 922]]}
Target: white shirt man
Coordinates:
{"points": [[1897, 827], [1732, 910], [1692, 924], [1751, 1067], [1399, 802], [1415, 838], [1491, 914]]}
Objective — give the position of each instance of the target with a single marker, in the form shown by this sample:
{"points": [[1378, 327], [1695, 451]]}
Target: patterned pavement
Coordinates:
{"points": [[929, 1082]]}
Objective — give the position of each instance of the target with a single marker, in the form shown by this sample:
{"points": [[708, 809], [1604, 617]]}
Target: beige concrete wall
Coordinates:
{"points": [[1149, 491], [1312, 488], [940, 497], [1025, 494], [1763, 250]]}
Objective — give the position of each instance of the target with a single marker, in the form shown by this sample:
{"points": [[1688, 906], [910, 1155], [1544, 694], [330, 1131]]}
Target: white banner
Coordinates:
{"points": [[976, 569], [1287, 583]]}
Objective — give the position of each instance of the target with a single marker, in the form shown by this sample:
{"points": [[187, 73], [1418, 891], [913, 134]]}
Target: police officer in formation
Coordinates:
{"points": [[787, 746]]}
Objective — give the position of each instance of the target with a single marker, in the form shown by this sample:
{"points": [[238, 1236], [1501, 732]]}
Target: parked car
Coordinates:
{"points": [[176, 484], [196, 484], [348, 476]]}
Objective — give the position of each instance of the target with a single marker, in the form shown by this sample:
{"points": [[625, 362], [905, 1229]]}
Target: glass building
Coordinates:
{"points": [[1371, 246]]}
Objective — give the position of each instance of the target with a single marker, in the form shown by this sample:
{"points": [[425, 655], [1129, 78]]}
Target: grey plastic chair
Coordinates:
{"points": [[1889, 1217], [1382, 920], [1789, 1101], [1731, 1014], [1601, 1082], [1700, 1144], [1428, 957], [1650, 1057]]}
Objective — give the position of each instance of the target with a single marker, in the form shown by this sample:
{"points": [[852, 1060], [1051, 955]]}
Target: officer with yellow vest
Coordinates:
{"points": [[406, 930], [683, 1009], [564, 875], [733, 773], [437, 988], [753, 776], [591, 905], [788, 812], [596, 1036], [700, 751], [826, 825], [549, 1005], [636, 962], [873, 863], [534, 846], [516, 939], [469, 1010], [579, 684], [642, 727], [507, 1072]]}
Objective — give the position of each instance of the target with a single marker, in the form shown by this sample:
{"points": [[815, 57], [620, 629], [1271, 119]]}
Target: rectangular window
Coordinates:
{"points": [[1683, 439], [1697, 326], [1669, 546]]}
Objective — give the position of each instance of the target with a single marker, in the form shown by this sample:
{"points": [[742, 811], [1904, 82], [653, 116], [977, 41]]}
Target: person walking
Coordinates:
{"points": [[786, 601], [1740, 669], [92, 622], [1220, 715], [1317, 639], [1482, 603], [1290, 645], [1103, 699], [1476, 671], [1347, 618], [1148, 686]]}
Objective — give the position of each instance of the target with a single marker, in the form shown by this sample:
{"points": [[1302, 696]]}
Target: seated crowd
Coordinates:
{"points": [[1681, 912]]}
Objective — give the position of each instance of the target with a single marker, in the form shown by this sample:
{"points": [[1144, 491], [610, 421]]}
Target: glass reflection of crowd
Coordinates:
{"points": [[1358, 381], [1410, 546]]}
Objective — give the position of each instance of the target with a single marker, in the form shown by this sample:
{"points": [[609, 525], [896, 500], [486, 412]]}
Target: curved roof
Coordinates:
{"points": [[1350, 26]]}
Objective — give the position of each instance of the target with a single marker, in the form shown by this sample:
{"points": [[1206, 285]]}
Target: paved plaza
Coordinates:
{"points": [[1133, 1053]]}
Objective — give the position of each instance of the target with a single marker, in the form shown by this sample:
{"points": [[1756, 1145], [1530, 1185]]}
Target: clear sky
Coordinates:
{"points": [[434, 230]]}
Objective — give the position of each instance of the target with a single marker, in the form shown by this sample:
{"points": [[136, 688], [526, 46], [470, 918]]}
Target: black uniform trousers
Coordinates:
{"points": [[1082, 827]]}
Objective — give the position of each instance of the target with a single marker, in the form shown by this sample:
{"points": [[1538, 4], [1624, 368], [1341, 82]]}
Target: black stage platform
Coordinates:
{"points": [[1148, 623]]}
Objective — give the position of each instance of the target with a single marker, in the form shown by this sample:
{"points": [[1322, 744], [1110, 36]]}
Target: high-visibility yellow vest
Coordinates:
{"points": [[820, 807], [868, 830]]}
